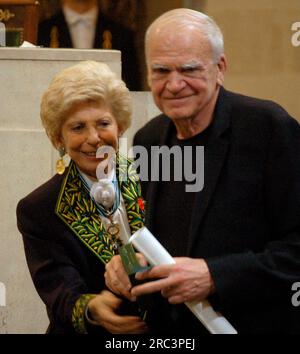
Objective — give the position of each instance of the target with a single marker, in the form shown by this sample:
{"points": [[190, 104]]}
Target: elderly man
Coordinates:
{"points": [[237, 241]]}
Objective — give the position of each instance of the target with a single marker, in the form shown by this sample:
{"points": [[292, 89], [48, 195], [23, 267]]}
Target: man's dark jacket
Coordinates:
{"points": [[122, 39], [246, 220]]}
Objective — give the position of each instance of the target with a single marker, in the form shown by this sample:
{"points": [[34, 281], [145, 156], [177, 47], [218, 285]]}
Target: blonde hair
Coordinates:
{"points": [[183, 17], [88, 81]]}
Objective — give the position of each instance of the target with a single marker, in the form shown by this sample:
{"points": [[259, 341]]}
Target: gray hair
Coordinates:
{"points": [[88, 81], [185, 17]]}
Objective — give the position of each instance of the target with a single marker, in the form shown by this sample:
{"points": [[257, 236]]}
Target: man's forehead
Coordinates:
{"points": [[180, 47]]}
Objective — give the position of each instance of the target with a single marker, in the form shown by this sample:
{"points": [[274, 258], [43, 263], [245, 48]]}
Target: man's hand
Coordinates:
{"points": [[102, 311], [187, 280], [116, 278]]}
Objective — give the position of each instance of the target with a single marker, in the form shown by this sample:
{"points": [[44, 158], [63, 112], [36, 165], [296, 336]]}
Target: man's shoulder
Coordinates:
{"points": [[253, 104], [158, 121], [151, 132], [256, 109], [258, 119]]}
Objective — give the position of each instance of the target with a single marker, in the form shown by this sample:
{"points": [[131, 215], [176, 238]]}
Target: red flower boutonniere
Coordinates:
{"points": [[141, 203]]}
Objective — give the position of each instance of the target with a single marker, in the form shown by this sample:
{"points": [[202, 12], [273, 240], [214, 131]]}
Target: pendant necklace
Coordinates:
{"points": [[106, 195], [113, 230]]}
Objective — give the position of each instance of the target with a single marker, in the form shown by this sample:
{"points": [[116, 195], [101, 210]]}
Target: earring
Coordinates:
{"points": [[60, 163]]}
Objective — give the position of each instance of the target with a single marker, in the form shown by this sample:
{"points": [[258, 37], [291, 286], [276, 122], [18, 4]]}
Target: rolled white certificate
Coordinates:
{"points": [[156, 254]]}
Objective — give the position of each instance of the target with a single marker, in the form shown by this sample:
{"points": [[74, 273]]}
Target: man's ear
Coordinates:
{"points": [[222, 67]]}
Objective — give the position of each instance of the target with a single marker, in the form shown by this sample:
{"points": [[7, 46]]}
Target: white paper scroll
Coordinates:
{"points": [[156, 254]]}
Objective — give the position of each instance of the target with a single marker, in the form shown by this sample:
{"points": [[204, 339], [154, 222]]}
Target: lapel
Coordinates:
{"points": [[78, 211], [153, 186], [214, 156], [130, 188]]}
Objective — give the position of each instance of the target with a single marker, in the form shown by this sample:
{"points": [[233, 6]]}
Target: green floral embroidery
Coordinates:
{"points": [[131, 192], [79, 212], [78, 314]]}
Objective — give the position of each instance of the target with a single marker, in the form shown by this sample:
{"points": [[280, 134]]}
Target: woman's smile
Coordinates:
{"points": [[89, 126]]}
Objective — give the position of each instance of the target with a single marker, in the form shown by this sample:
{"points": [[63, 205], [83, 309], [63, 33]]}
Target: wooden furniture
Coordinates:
{"points": [[20, 18]]}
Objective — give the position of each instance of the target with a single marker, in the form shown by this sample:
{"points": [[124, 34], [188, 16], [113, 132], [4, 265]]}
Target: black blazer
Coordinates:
{"points": [[246, 220], [122, 39], [64, 266]]}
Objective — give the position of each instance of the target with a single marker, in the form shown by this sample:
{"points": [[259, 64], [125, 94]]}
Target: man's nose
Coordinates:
{"points": [[175, 82], [93, 137]]}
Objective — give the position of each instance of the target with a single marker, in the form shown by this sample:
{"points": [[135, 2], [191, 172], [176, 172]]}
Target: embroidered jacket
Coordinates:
{"points": [[66, 243]]}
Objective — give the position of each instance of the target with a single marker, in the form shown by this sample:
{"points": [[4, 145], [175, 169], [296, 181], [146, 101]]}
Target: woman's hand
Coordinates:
{"points": [[187, 280], [102, 309], [116, 278]]}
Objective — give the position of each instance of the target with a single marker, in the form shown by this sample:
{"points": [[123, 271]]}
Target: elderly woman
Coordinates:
{"points": [[69, 236]]}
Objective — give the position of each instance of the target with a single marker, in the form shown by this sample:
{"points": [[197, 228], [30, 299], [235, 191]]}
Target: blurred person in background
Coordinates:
{"points": [[80, 24]]}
